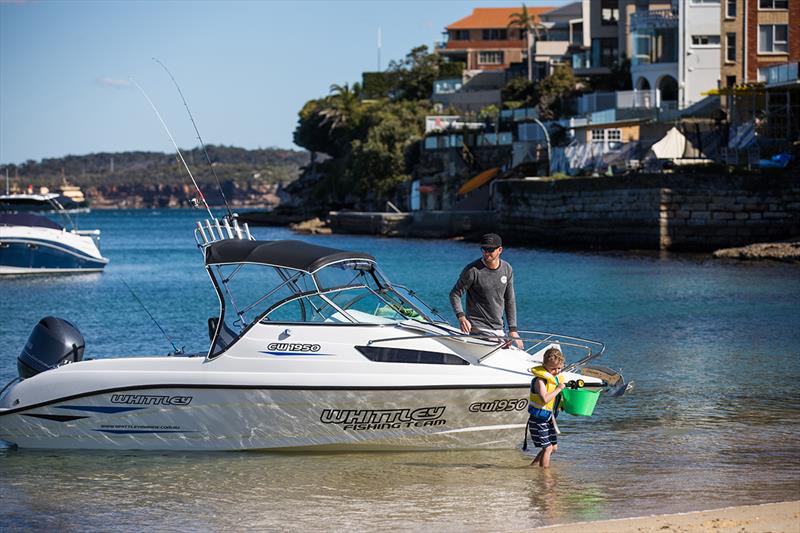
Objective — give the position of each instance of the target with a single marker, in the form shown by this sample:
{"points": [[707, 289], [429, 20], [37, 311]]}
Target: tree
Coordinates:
{"points": [[527, 25], [416, 74], [520, 90], [341, 108], [555, 89]]}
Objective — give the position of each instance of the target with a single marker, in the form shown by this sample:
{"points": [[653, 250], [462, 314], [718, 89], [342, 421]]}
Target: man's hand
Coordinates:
{"points": [[466, 327], [518, 343]]}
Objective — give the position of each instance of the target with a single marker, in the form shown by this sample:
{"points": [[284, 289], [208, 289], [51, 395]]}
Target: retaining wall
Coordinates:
{"points": [[666, 211]]}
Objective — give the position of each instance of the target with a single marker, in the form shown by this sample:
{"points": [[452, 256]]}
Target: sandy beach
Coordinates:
{"points": [[767, 518]]}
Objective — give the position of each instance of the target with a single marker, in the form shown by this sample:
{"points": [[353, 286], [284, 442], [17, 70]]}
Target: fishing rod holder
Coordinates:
{"points": [[212, 230]]}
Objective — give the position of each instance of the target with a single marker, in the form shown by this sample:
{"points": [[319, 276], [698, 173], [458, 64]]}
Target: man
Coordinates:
{"points": [[489, 285]]}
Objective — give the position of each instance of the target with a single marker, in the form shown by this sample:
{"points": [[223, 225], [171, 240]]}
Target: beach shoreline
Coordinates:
{"points": [[782, 517]]}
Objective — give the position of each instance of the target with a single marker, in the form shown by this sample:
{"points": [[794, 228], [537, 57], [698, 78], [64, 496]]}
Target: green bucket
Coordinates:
{"points": [[579, 402]]}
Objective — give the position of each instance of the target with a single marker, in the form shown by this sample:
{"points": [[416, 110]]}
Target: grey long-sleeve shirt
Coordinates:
{"points": [[489, 293]]}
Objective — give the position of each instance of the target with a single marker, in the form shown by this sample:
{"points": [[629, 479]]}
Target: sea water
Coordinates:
{"points": [[713, 420]]}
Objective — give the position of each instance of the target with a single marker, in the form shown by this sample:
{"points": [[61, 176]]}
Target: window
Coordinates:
{"points": [[461, 35], [401, 355], [705, 1], [772, 38], [613, 137], [730, 47], [730, 81], [705, 40], [495, 35], [731, 12], [773, 4], [604, 52], [490, 58], [609, 12]]}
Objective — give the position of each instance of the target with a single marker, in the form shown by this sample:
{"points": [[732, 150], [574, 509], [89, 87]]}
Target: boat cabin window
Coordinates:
{"points": [[401, 355]]}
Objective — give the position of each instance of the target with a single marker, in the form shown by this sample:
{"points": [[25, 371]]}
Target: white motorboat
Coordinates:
{"points": [[70, 201], [313, 349], [34, 244]]}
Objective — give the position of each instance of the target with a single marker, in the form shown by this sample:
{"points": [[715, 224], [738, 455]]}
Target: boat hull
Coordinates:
{"points": [[26, 257], [32, 250], [263, 418]]}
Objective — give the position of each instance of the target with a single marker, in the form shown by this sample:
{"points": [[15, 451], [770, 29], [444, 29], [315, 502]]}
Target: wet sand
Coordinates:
{"points": [[767, 518]]}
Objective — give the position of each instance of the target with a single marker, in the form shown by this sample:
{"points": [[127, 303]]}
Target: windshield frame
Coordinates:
{"points": [[220, 283]]}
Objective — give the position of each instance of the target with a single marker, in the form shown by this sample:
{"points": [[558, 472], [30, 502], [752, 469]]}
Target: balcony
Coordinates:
{"points": [[551, 48], [635, 99], [656, 18], [776, 75], [654, 45]]}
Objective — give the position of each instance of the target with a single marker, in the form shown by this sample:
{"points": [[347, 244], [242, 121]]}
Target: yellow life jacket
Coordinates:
{"points": [[537, 407]]}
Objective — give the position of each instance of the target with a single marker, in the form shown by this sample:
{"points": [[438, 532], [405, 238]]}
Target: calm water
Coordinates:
{"points": [[714, 420]]}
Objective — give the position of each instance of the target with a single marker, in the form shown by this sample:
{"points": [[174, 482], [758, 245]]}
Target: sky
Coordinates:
{"points": [[245, 67]]}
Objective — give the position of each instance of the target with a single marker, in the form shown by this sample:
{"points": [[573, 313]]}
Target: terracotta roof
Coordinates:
{"points": [[493, 17]]}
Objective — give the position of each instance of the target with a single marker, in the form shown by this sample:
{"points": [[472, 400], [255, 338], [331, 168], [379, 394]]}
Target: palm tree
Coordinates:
{"points": [[343, 101], [528, 26]]}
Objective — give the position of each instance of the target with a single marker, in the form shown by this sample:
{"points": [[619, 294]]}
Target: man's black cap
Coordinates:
{"points": [[491, 240]]}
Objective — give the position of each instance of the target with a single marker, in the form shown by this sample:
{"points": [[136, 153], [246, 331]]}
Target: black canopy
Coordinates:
{"points": [[298, 255], [25, 219]]}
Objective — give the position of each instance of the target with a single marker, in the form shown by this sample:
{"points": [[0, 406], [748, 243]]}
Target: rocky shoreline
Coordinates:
{"points": [[788, 251]]}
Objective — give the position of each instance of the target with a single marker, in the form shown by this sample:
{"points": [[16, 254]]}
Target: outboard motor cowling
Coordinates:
{"points": [[52, 343]]}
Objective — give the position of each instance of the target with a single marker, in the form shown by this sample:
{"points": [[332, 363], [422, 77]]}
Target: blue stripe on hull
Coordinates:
{"points": [[35, 256]]}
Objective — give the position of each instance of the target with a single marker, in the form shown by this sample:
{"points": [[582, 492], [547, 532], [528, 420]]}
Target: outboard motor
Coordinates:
{"points": [[53, 342]]}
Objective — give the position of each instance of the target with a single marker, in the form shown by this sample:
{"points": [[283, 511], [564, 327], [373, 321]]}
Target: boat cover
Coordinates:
{"points": [[26, 219], [297, 255]]}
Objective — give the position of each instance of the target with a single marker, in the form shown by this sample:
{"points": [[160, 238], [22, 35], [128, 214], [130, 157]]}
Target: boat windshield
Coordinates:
{"points": [[352, 291], [345, 292]]}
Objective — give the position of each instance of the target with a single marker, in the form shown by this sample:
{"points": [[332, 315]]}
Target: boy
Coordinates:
{"points": [[543, 405]]}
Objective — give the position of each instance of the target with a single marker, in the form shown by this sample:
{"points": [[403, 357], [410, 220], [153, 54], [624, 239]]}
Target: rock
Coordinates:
{"points": [[781, 251], [315, 226]]}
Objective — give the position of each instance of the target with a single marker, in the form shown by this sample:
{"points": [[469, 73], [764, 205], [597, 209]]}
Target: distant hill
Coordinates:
{"points": [[153, 179]]}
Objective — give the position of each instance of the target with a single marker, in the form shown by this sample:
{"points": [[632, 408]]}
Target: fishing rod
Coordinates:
{"points": [[175, 348], [205, 151], [180, 155]]}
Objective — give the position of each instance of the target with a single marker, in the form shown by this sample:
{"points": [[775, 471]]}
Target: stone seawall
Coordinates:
{"points": [[666, 211]]}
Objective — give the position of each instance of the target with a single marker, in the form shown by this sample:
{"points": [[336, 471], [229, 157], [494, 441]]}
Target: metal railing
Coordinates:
{"points": [[590, 349], [777, 74], [654, 18]]}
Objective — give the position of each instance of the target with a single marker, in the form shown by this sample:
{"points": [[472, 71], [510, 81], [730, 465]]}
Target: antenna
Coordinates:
{"points": [[208, 159], [379, 48], [177, 351], [180, 155]]}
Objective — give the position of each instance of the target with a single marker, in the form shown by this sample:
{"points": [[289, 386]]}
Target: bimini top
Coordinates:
{"points": [[297, 255]]}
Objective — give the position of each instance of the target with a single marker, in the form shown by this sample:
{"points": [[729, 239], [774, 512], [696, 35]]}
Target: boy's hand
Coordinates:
{"points": [[466, 327], [561, 386]]}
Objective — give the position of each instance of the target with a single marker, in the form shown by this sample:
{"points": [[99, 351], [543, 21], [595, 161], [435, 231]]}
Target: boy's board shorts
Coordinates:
{"points": [[543, 434]]}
